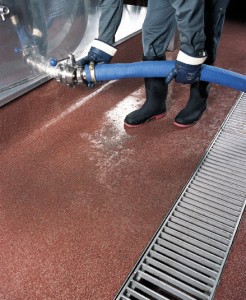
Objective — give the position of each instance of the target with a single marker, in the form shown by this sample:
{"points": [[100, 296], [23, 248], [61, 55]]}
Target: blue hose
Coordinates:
{"points": [[161, 69]]}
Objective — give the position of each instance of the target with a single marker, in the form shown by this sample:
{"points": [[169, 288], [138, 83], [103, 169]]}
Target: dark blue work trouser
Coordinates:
{"points": [[200, 24]]}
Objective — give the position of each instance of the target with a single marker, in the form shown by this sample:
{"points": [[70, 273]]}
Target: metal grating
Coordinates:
{"points": [[186, 256]]}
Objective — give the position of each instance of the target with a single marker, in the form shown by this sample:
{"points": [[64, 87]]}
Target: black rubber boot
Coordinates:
{"points": [[195, 106], [154, 107]]}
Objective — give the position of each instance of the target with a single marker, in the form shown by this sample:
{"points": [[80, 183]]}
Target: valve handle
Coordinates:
{"points": [[17, 50], [53, 62]]}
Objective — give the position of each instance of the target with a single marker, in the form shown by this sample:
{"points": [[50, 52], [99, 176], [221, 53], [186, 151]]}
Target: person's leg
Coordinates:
{"points": [[110, 18], [155, 105], [20, 18], [158, 29], [214, 20], [39, 27]]}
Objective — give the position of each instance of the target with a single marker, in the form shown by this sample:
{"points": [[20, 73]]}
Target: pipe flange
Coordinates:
{"points": [[80, 75], [92, 72]]}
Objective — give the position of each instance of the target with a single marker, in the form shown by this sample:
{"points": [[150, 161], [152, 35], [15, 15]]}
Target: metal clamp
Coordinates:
{"points": [[92, 72], [3, 11]]}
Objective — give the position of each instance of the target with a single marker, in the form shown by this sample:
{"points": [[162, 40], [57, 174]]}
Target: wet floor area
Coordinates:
{"points": [[82, 196]]}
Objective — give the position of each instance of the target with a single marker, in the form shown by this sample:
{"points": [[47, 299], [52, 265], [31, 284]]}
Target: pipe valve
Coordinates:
{"points": [[66, 71], [3, 11]]}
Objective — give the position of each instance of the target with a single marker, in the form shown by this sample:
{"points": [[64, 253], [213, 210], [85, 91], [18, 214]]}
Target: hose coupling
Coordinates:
{"points": [[92, 72]]}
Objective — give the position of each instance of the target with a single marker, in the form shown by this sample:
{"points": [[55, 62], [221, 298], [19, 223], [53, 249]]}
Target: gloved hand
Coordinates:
{"points": [[187, 68], [99, 52]]}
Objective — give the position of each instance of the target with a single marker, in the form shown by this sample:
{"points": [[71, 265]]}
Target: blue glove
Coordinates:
{"points": [[99, 52], [187, 68]]}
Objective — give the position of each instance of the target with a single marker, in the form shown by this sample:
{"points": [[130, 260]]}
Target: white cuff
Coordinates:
{"points": [[14, 20], [36, 32], [190, 60], [104, 47]]}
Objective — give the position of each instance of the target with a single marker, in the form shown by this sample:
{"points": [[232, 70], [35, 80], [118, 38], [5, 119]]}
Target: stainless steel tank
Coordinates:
{"points": [[45, 29], [52, 28]]}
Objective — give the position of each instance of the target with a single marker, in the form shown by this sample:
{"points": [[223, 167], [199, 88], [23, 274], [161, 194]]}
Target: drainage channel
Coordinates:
{"points": [[185, 258]]}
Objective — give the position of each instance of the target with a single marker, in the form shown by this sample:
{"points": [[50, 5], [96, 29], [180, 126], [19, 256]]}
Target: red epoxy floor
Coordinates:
{"points": [[81, 197]]}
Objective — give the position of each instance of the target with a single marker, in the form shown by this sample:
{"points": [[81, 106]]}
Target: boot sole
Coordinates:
{"points": [[184, 125], [188, 125], [147, 121]]}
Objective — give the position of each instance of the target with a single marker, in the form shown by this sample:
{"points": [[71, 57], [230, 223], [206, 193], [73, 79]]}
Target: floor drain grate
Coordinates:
{"points": [[186, 257]]}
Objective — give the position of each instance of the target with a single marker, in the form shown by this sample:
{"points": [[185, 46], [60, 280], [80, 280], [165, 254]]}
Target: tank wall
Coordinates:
{"points": [[37, 27], [46, 29]]}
